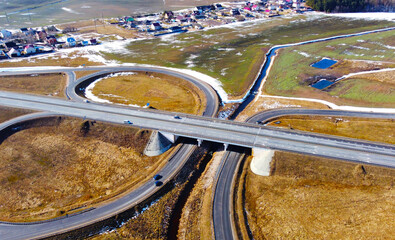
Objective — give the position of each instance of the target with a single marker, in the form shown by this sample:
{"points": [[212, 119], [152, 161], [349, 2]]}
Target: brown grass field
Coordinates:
{"points": [[379, 130], [266, 103], [80, 74], [314, 198], [51, 84], [7, 113], [48, 171], [57, 60], [161, 91]]}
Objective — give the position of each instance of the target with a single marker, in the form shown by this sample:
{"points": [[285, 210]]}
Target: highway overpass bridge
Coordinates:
{"points": [[215, 130]]}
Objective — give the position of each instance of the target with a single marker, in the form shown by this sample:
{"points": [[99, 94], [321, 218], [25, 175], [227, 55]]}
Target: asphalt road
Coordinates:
{"points": [[269, 115], [223, 193]]}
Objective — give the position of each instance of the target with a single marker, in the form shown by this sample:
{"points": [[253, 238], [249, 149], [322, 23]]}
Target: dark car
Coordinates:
{"points": [[177, 117], [158, 183], [157, 177]]}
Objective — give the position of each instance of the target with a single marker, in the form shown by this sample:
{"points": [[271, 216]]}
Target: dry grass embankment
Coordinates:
{"points": [[379, 130], [315, 198], [48, 171], [7, 113], [50, 84], [387, 76], [195, 222], [162, 91]]}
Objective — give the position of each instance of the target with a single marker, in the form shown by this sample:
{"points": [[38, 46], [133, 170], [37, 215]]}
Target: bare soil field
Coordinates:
{"points": [[314, 198], [51, 84], [161, 91], [379, 130], [49, 171], [7, 113]]}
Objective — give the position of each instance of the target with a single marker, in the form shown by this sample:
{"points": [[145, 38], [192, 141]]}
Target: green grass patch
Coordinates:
{"points": [[365, 91], [292, 75], [234, 54]]}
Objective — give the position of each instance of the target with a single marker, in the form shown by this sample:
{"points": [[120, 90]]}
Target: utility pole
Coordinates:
{"points": [[102, 19], [6, 16], [28, 13]]}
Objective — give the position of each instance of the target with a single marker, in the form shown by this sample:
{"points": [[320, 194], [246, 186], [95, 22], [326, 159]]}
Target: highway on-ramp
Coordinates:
{"points": [[223, 220]]}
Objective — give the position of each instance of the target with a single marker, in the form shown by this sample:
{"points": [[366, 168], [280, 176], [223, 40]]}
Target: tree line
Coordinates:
{"points": [[351, 5]]}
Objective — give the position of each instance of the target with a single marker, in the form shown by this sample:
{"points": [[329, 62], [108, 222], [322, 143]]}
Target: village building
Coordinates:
{"points": [[156, 26], [71, 42], [4, 34]]}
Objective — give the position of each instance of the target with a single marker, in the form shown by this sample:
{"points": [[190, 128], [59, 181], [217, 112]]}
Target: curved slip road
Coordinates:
{"points": [[269, 115], [223, 220], [52, 227]]}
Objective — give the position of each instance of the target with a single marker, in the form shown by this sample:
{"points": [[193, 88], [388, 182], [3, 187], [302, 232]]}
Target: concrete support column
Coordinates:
{"points": [[199, 141], [260, 163], [159, 143]]}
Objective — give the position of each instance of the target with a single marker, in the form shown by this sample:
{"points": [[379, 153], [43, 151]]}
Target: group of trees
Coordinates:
{"points": [[351, 5]]}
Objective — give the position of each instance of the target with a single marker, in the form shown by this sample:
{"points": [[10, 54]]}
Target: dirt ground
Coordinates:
{"points": [[53, 170], [161, 91], [314, 198], [51, 84]]}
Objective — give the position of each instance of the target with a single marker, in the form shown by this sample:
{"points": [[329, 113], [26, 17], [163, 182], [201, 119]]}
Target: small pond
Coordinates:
{"points": [[324, 63], [321, 84]]}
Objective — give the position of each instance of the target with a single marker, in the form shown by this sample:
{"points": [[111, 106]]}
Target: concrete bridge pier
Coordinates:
{"points": [[260, 163], [226, 146], [159, 143]]}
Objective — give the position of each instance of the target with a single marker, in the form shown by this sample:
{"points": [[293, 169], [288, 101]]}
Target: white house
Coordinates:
{"points": [[156, 26], [5, 34], [14, 53]]}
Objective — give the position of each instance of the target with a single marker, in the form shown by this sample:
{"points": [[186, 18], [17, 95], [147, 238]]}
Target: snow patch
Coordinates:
{"points": [[70, 10], [260, 163], [390, 16]]}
